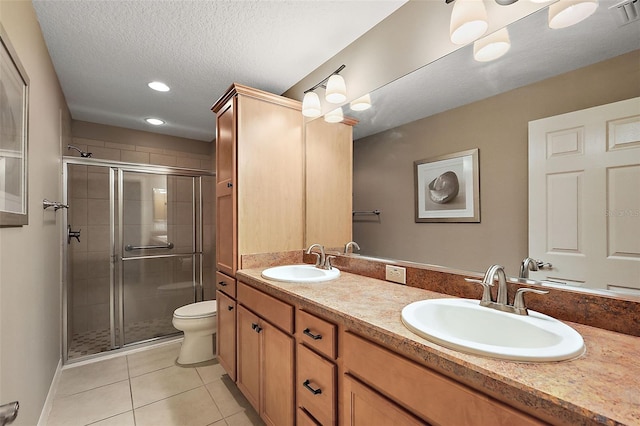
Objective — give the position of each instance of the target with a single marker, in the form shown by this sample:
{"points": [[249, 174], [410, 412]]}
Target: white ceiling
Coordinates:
{"points": [[105, 52]]}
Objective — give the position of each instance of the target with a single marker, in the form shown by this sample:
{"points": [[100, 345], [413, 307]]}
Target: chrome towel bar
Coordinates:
{"points": [[129, 247], [357, 213]]}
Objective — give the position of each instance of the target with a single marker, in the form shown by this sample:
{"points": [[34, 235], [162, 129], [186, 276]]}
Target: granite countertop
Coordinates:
{"points": [[600, 387]]}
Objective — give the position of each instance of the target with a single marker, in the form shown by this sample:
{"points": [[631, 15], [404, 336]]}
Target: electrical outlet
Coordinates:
{"points": [[397, 274]]}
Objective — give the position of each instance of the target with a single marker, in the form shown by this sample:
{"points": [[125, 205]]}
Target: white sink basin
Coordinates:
{"points": [[300, 274], [464, 325]]}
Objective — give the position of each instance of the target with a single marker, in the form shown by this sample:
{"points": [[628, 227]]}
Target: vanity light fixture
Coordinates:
{"points": [[565, 13], [361, 104], [159, 86], [334, 116], [492, 46], [311, 105], [154, 121], [336, 92], [468, 21]]}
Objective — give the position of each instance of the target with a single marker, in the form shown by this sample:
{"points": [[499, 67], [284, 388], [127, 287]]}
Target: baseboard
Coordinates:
{"points": [[48, 403]]}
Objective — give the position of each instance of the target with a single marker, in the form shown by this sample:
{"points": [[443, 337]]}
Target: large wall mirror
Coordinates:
{"points": [[456, 104]]}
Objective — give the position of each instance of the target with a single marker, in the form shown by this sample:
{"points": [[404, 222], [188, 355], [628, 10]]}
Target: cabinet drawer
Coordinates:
{"points": [[273, 310], [226, 284], [424, 392], [316, 333], [316, 386]]}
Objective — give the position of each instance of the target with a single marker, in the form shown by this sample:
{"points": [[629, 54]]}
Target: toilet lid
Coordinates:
{"points": [[197, 310]]}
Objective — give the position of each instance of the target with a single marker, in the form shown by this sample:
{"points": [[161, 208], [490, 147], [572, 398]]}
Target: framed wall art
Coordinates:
{"points": [[448, 188], [14, 112]]}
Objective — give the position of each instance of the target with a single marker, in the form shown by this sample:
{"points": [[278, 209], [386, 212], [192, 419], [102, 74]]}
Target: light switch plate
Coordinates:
{"points": [[397, 274]]}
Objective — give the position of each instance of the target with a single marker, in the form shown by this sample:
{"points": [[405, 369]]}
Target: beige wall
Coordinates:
{"points": [[135, 146], [29, 255], [498, 126]]}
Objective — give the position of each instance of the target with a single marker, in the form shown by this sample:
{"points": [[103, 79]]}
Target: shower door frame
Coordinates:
{"points": [[116, 270]]}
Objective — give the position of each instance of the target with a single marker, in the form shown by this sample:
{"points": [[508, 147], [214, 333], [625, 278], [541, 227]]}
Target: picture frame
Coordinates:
{"points": [[447, 188], [14, 113]]}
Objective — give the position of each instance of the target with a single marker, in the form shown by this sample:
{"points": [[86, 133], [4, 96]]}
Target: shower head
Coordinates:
{"points": [[82, 153]]}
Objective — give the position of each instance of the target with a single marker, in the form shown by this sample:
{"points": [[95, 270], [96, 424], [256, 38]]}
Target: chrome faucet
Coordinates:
{"points": [[501, 302], [353, 245], [320, 257], [530, 264]]}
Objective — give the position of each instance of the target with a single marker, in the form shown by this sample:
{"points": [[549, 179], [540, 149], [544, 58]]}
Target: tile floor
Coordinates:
{"points": [[149, 388]]}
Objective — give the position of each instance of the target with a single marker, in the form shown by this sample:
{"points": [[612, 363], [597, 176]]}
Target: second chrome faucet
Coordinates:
{"points": [[501, 302]]}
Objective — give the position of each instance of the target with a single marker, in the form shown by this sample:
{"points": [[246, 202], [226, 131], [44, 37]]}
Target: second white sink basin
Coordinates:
{"points": [[300, 274], [464, 325]]}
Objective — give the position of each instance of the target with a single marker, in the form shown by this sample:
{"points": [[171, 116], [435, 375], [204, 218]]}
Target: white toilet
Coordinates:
{"points": [[198, 322]]}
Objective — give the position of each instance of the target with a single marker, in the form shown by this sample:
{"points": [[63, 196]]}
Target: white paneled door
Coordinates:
{"points": [[584, 196]]}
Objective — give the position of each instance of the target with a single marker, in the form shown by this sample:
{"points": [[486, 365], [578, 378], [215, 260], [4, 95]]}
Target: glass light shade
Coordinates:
{"points": [[336, 89], [492, 46], [468, 21], [159, 86], [311, 105], [334, 116], [565, 13], [362, 103], [154, 121]]}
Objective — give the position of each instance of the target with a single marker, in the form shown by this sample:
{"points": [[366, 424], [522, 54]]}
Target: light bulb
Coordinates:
{"points": [[565, 13], [336, 89], [311, 105], [468, 21], [154, 121], [159, 86], [492, 46], [362, 103], [334, 116]]}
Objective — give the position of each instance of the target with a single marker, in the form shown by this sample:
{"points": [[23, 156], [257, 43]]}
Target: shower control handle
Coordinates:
{"points": [[72, 234]]}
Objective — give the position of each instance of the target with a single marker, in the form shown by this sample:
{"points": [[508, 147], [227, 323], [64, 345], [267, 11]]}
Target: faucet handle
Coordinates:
{"points": [[486, 291], [518, 301]]}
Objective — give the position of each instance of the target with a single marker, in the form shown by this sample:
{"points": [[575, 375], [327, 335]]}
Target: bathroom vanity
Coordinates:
{"points": [[357, 364]]}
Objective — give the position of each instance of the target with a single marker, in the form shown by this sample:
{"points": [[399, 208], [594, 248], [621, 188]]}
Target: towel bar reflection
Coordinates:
{"points": [[129, 247], [57, 205], [366, 212]]}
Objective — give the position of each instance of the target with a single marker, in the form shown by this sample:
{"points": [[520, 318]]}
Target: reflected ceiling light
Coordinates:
{"points": [[468, 21], [362, 103], [492, 46], [311, 105], [154, 121], [336, 89], [334, 116], [159, 86], [565, 13]]}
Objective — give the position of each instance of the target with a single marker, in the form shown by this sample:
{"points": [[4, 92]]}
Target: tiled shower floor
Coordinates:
{"points": [[97, 341]]}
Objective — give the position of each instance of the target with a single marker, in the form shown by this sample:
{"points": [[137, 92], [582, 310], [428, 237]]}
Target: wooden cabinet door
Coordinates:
{"points": [[226, 333], [278, 401], [248, 374], [365, 407], [226, 228]]}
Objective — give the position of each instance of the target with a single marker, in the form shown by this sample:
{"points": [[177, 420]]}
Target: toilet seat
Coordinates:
{"points": [[196, 310]]}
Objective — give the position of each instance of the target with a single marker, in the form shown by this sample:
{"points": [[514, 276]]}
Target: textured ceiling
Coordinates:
{"points": [[105, 53]]}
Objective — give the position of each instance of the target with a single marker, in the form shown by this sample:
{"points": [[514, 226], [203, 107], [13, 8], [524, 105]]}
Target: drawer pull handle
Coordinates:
{"points": [[312, 390], [222, 283], [256, 327], [230, 308], [310, 334]]}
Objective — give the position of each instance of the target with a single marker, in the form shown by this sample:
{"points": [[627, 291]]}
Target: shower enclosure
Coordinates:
{"points": [[139, 244]]}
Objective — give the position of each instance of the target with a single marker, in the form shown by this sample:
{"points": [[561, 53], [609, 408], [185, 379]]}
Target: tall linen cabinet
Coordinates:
{"points": [[260, 200]]}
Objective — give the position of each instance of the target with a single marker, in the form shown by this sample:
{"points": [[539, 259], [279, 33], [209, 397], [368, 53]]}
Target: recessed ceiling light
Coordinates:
{"points": [[154, 121], [159, 86]]}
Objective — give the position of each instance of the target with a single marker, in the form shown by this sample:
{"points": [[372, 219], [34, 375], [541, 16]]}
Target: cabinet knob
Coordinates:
{"points": [[229, 184], [310, 389], [230, 308], [307, 332], [222, 283]]}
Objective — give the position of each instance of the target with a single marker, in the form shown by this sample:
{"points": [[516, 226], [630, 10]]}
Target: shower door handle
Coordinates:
{"points": [[72, 234]]}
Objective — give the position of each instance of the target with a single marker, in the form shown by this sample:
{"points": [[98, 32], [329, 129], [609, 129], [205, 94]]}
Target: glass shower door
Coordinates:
{"points": [[160, 251]]}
